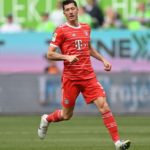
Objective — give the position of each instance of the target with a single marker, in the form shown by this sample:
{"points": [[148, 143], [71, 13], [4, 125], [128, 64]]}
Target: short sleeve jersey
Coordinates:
{"points": [[74, 41]]}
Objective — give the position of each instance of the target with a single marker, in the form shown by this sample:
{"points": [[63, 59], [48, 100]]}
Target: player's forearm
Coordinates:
{"points": [[96, 55], [55, 56]]}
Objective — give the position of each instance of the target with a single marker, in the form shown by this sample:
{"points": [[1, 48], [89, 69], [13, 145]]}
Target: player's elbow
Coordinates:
{"points": [[50, 55]]}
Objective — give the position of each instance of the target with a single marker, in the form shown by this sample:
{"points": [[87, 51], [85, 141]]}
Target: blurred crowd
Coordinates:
{"points": [[91, 13]]}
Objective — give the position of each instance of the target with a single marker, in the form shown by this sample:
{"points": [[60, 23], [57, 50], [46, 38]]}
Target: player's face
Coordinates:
{"points": [[71, 12]]}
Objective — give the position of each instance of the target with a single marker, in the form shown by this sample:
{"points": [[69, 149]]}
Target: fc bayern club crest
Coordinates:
{"points": [[66, 101]]}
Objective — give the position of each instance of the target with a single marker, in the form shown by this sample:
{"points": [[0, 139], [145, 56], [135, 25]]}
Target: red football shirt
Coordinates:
{"points": [[74, 41]]}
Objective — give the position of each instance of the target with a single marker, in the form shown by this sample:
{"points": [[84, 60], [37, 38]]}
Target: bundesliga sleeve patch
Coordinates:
{"points": [[54, 37]]}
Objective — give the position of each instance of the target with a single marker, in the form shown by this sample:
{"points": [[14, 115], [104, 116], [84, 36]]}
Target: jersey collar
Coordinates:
{"points": [[78, 27]]}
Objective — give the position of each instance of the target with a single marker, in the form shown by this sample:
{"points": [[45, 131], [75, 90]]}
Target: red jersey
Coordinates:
{"points": [[75, 41]]}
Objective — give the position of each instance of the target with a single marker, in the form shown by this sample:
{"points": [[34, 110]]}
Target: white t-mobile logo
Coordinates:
{"points": [[78, 44]]}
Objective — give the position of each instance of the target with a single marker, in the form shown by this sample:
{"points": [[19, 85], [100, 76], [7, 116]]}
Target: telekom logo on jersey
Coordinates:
{"points": [[79, 44]]}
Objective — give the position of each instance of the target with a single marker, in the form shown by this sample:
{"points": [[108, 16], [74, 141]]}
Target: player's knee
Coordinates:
{"points": [[67, 116], [104, 108]]}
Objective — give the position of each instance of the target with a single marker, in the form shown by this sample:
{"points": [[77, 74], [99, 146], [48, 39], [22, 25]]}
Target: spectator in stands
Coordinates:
{"points": [[141, 19], [45, 25], [45, 83], [84, 17], [51, 68], [112, 19], [57, 16], [10, 26], [95, 12]]}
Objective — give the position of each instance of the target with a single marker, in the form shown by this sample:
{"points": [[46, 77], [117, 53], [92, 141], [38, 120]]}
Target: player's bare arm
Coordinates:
{"points": [[98, 56], [55, 56]]}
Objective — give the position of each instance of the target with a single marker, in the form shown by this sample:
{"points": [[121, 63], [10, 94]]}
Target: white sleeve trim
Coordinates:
{"points": [[53, 45]]}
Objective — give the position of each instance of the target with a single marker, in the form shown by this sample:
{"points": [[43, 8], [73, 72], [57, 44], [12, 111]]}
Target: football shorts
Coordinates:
{"points": [[91, 89]]}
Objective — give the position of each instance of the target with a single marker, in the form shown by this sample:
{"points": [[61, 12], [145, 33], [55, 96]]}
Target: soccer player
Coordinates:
{"points": [[73, 38]]}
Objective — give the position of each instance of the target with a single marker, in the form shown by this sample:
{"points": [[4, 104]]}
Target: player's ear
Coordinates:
{"points": [[64, 12]]}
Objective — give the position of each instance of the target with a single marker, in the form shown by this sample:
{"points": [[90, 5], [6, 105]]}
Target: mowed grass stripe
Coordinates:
{"points": [[79, 133]]}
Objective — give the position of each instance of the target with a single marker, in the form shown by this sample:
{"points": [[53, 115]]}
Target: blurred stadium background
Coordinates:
{"points": [[30, 84]]}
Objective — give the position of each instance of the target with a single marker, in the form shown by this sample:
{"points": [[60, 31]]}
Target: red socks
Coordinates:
{"points": [[111, 125], [55, 116], [108, 120]]}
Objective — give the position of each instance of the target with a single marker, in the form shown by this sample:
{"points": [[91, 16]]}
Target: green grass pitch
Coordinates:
{"points": [[79, 133]]}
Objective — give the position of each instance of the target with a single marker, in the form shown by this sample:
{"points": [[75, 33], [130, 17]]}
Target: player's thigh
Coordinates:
{"points": [[69, 93], [92, 90]]}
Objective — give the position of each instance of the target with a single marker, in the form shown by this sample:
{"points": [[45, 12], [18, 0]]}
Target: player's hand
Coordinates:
{"points": [[72, 58], [107, 65]]}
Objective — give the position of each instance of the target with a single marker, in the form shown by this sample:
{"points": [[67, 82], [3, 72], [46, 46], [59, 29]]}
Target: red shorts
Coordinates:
{"points": [[90, 89]]}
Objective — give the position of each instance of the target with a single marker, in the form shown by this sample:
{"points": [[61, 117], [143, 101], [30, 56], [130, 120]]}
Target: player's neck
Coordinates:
{"points": [[74, 23]]}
